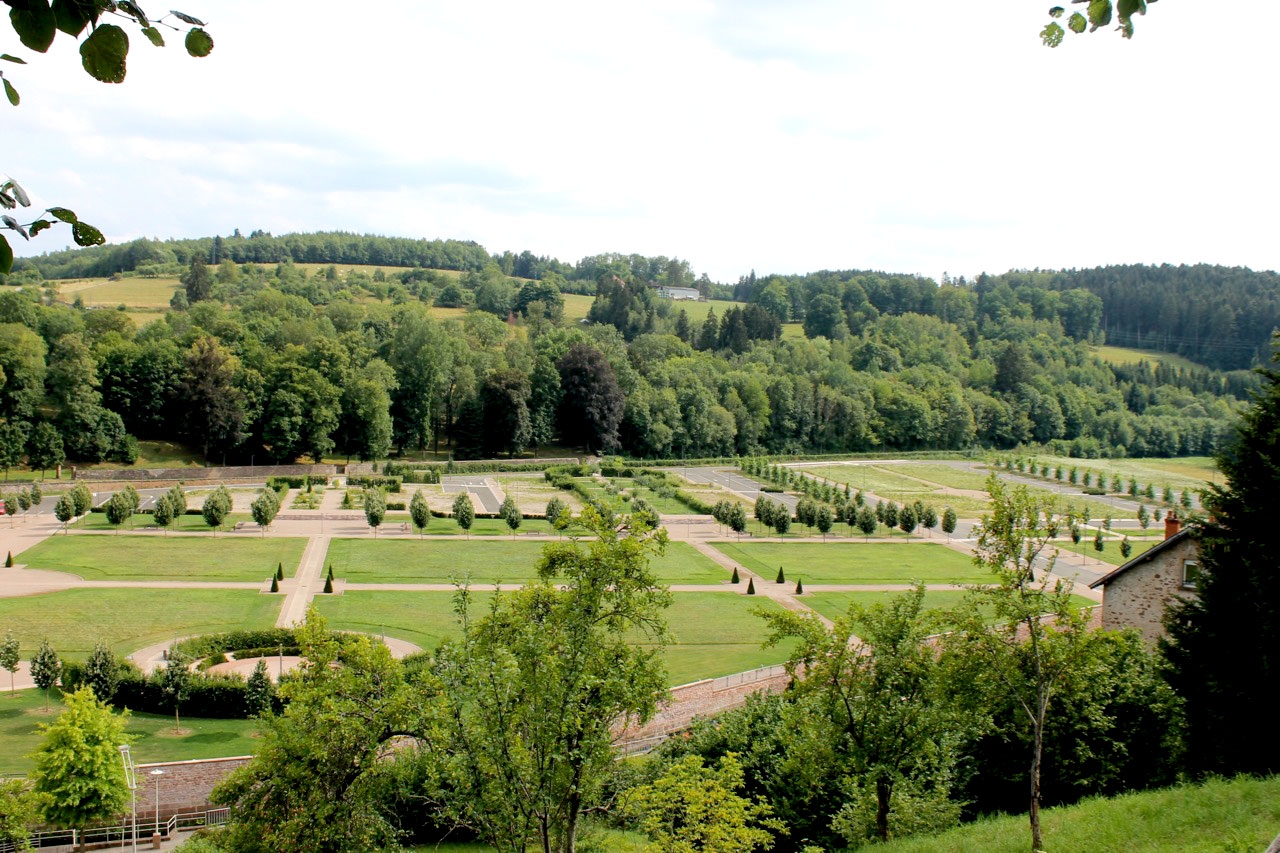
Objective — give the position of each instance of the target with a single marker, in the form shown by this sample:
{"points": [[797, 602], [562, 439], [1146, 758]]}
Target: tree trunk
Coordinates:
{"points": [[884, 791], [1037, 839]]}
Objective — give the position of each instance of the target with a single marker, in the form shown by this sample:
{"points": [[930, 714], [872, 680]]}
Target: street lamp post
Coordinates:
{"points": [[156, 774], [131, 779]]}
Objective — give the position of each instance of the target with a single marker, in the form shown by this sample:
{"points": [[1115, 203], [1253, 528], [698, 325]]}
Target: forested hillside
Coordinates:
{"points": [[1221, 317], [277, 361]]}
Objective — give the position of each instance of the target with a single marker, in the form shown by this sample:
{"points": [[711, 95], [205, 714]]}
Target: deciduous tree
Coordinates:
{"points": [[78, 773]]}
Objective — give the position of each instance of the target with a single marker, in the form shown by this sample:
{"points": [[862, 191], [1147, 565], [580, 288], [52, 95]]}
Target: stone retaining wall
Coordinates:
{"points": [[184, 787], [704, 699]]}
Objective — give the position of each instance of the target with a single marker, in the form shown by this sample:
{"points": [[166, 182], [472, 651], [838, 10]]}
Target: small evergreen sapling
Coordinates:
{"points": [[1125, 548], [782, 578], [279, 571], [275, 584], [751, 586], [736, 579], [799, 587]]}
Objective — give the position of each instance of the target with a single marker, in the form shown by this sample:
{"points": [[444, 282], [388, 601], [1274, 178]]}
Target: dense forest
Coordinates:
{"points": [[264, 360]]}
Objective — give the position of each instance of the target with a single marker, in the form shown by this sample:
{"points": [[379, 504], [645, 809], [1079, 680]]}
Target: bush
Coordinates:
{"points": [[216, 697], [238, 641]]}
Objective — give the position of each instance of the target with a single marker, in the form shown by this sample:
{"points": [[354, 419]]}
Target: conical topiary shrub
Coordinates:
{"points": [[275, 585], [782, 578], [329, 577], [751, 586], [279, 571], [8, 561], [736, 579], [328, 584], [799, 587]]}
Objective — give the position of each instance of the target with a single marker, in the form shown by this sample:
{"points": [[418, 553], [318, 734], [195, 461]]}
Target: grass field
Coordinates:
{"points": [[971, 477], [895, 485], [715, 633], [97, 521], [1111, 549], [20, 714], [134, 558], [422, 618], [835, 604], [485, 561], [1237, 816], [856, 562], [1188, 472], [74, 620], [130, 292], [1127, 355]]}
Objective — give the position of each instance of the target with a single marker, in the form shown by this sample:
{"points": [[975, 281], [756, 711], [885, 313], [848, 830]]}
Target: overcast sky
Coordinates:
{"points": [[924, 136]]}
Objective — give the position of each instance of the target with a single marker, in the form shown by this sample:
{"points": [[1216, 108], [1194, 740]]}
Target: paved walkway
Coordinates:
{"points": [[306, 582]]}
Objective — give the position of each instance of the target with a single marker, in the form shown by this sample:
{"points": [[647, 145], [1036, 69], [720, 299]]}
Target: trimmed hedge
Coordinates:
{"points": [[391, 484], [235, 641]]}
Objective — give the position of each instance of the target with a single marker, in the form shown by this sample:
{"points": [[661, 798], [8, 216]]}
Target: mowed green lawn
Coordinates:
{"points": [[1110, 552], [715, 633], [484, 561], [74, 620], [422, 618], [19, 737], [835, 604], [856, 562], [97, 522], [167, 558]]}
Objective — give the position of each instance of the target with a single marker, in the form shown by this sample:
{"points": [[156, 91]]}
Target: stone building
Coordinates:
{"points": [[1135, 594]]}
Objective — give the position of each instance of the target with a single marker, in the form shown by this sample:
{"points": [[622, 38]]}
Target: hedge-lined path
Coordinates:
{"points": [[306, 582]]}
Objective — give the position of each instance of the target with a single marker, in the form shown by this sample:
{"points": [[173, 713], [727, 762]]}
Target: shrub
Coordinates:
{"points": [[736, 579], [751, 586], [389, 484]]}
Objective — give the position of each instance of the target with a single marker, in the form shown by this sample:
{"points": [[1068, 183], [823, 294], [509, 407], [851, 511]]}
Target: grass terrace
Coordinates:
{"points": [[716, 633], [1110, 552], [485, 561], [423, 618], [74, 620], [836, 604], [165, 558], [19, 735], [856, 562]]}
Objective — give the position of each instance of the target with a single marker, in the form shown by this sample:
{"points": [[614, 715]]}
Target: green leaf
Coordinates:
{"points": [[72, 16], [6, 256], [1056, 12], [154, 34], [186, 19], [64, 215], [1126, 28], [1076, 23], [1099, 13], [6, 200], [103, 53], [11, 93], [34, 24], [1129, 8], [86, 235], [40, 225], [132, 9], [7, 58], [13, 225], [1052, 35], [199, 43]]}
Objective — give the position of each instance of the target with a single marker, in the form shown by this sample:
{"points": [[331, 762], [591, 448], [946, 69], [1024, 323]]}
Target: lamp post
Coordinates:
{"points": [[156, 774], [131, 779]]}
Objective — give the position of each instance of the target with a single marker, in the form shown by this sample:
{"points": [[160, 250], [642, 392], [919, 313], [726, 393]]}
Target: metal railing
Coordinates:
{"points": [[119, 835]]}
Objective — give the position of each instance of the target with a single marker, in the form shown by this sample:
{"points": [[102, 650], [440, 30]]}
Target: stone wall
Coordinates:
{"points": [[1137, 598], [184, 787], [704, 699]]}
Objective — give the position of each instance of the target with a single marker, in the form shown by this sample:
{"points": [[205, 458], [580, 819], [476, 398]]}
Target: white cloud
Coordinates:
{"points": [[777, 136]]}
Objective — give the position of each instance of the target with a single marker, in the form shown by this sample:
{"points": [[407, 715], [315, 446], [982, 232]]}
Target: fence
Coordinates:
{"points": [[56, 840]]}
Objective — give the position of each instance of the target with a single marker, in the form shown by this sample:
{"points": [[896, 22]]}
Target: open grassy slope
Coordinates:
{"points": [[1238, 816]]}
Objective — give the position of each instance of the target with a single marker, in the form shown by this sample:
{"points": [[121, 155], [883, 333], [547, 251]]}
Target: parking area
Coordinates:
{"points": [[734, 482], [485, 493]]}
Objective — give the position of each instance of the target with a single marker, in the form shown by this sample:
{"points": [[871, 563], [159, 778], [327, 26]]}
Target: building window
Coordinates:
{"points": [[1190, 574]]}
